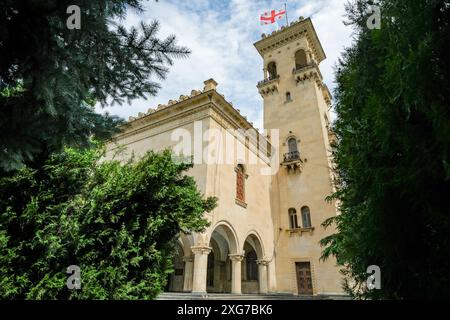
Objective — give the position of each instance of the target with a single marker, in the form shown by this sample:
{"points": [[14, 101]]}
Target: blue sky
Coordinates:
{"points": [[220, 35]]}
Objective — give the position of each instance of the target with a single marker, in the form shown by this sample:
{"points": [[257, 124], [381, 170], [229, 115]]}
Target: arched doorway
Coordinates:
{"points": [[176, 279], [254, 268], [219, 267]]}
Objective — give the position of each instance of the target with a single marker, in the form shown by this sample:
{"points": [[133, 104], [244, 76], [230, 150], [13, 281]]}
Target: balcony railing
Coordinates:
{"points": [[302, 68], [291, 156], [268, 80]]}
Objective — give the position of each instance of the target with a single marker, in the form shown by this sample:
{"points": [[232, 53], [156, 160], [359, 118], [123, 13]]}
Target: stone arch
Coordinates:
{"points": [[226, 230], [251, 270], [187, 241], [176, 279], [256, 243], [223, 242]]}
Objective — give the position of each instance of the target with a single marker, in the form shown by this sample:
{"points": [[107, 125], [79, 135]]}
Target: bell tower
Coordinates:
{"points": [[297, 103]]}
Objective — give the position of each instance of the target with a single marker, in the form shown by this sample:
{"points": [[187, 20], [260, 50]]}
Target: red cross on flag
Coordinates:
{"points": [[272, 16]]}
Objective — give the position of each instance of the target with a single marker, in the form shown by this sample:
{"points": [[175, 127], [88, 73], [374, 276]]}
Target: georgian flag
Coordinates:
{"points": [[272, 16]]}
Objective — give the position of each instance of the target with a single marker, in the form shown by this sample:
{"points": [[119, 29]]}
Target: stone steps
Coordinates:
{"points": [[228, 296]]}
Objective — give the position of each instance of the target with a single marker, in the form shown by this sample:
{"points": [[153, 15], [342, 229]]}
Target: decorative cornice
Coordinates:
{"points": [[268, 86], [296, 30], [191, 109], [326, 94], [309, 72]]}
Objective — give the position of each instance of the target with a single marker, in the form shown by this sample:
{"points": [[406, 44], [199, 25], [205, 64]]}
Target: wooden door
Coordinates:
{"points": [[304, 280]]}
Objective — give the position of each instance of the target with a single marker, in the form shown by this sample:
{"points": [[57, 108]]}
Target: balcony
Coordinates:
{"points": [[269, 85], [292, 161], [311, 70], [291, 156], [300, 231]]}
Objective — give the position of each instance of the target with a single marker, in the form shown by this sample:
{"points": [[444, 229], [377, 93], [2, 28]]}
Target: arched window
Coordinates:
{"points": [[300, 59], [288, 97], [293, 224], [251, 266], [272, 69], [240, 183], [292, 145], [306, 217]]}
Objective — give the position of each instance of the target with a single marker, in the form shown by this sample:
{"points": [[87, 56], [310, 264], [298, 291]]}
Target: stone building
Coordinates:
{"points": [[264, 234]]}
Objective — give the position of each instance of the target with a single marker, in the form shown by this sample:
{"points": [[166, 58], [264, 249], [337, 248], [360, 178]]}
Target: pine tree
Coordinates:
{"points": [[52, 76], [392, 155]]}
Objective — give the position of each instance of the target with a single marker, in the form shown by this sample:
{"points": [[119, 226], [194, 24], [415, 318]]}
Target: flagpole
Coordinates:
{"points": [[285, 9]]}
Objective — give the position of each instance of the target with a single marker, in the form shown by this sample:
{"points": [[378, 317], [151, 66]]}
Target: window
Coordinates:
{"points": [[300, 59], [288, 97], [292, 145], [306, 217], [293, 218], [272, 69], [251, 266], [240, 183]]}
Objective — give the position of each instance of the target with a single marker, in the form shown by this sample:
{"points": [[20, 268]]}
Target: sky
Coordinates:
{"points": [[220, 35]]}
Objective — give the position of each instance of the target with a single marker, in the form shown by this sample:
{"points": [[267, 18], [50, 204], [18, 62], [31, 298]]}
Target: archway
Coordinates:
{"points": [[300, 59], [176, 279], [223, 243], [272, 70], [254, 271]]}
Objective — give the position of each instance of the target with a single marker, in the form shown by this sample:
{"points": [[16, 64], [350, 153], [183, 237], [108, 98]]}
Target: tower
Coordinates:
{"points": [[297, 102]]}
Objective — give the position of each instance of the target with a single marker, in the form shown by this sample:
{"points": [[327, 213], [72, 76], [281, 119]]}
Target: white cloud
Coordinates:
{"points": [[220, 35]]}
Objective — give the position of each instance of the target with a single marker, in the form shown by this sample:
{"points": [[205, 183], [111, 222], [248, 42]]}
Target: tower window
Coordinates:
{"points": [[272, 69], [240, 183], [293, 223], [300, 59], [306, 217], [288, 97], [292, 145]]}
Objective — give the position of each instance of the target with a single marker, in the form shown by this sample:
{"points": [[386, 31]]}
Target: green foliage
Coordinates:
{"points": [[117, 222], [392, 154], [51, 76]]}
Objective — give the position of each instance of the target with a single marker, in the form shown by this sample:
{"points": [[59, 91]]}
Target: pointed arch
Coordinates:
{"points": [[272, 70], [301, 59]]}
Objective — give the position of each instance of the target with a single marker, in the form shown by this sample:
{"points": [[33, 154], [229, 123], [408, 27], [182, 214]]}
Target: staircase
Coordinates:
{"points": [[229, 296]]}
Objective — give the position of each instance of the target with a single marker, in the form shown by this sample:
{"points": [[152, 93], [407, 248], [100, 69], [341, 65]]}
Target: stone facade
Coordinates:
{"points": [[271, 187]]}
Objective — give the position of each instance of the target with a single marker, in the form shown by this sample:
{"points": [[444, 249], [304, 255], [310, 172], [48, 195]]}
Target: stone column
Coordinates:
{"points": [[236, 260], [200, 268], [262, 269], [188, 268]]}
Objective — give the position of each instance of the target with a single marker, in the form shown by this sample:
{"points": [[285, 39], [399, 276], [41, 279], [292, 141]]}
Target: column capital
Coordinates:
{"points": [[201, 250], [236, 257], [188, 258], [263, 262]]}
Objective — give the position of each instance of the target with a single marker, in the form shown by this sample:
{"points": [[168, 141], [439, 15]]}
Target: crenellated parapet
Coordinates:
{"points": [[302, 28], [169, 103]]}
